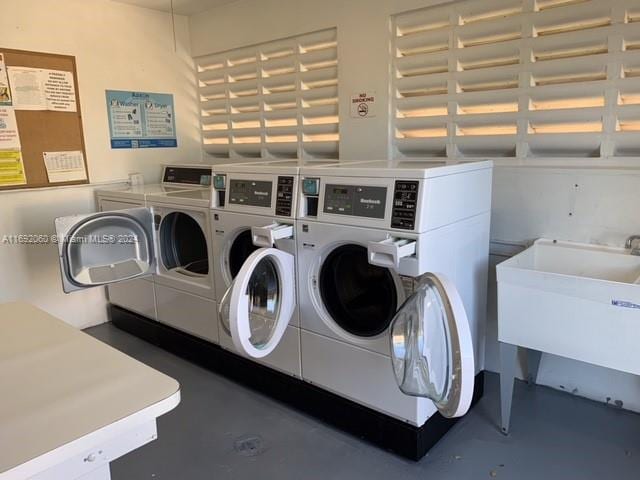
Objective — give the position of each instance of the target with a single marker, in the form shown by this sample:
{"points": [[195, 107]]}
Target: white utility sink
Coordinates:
{"points": [[575, 300], [578, 260]]}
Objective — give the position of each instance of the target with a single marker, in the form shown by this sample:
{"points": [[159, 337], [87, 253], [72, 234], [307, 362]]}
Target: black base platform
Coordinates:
{"points": [[386, 432]]}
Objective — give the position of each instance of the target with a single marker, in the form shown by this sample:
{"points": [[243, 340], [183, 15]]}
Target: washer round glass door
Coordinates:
{"points": [[261, 301], [432, 348]]}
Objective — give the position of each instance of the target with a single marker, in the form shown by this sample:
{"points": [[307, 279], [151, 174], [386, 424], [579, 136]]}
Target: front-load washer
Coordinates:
{"points": [[184, 282], [138, 295], [408, 241], [253, 211]]}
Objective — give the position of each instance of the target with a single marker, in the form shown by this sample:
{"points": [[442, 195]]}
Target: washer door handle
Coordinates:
{"points": [[388, 253], [266, 236]]}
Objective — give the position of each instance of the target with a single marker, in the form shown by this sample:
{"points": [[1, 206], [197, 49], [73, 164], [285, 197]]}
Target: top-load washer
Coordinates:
{"points": [[407, 241], [184, 282], [253, 211], [138, 295]]}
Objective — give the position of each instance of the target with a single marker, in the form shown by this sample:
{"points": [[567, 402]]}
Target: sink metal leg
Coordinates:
{"points": [[533, 363], [508, 357]]}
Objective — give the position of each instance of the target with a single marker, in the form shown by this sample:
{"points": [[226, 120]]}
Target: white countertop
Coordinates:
{"points": [[60, 385]]}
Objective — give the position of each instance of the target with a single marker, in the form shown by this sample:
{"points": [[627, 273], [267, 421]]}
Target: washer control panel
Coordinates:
{"points": [[187, 175], [284, 196], [254, 193], [405, 202], [355, 200]]}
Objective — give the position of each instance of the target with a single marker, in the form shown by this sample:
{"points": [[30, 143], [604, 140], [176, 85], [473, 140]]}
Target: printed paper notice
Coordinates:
{"points": [[40, 89], [27, 88], [9, 138], [5, 93], [59, 90], [64, 166], [11, 168]]}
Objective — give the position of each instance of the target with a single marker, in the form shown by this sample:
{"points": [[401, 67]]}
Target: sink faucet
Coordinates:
{"points": [[632, 243]]}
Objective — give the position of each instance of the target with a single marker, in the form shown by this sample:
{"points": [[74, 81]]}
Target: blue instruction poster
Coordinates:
{"points": [[141, 120]]}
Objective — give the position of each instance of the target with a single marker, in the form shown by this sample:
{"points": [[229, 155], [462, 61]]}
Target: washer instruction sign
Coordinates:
{"points": [[141, 119], [363, 104]]}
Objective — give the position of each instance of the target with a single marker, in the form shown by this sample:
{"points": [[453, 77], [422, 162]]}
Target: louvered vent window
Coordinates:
{"points": [[517, 78], [273, 100]]}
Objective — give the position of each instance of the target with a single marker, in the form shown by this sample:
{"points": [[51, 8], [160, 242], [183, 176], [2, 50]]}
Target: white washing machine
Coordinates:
{"points": [[368, 237], [184, 282], [138, 295], [253, 211]]}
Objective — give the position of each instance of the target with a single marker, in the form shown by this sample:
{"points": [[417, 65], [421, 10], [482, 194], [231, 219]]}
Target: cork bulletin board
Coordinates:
{"points": [[46, 130]]}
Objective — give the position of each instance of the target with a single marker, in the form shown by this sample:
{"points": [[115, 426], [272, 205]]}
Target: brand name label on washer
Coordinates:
{"points": [[355, 200], [624, 304]]}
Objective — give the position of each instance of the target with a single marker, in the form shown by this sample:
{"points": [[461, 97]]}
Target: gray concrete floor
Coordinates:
{"points": [[554, 436]]}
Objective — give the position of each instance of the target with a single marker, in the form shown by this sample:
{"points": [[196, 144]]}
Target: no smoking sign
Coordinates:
{"points": [[363, 104]]}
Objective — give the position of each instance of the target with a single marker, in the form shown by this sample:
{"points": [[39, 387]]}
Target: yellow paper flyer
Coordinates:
{"points": [[11, 168]]}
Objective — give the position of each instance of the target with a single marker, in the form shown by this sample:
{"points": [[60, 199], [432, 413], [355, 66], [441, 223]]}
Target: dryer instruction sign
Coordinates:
{"points": [[141, 120], [363, 104]]}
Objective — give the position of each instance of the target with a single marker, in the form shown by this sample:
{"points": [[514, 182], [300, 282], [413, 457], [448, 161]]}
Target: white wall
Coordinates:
{"points": [[116, 47], [528, 202]]}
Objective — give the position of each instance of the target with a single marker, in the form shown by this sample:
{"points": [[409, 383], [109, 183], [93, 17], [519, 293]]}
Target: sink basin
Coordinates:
{"points": [[575, 300], [578, 260]]}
